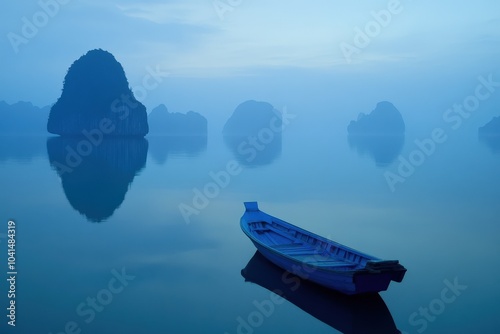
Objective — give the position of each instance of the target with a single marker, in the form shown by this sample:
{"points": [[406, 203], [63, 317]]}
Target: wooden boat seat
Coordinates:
{"points": [[331, 264], [294, 248], [298, 251], [268, 227], [290, 246]]}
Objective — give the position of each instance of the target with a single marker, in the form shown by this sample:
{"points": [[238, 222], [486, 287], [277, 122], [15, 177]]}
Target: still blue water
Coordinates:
{"points": [[117, 215]]}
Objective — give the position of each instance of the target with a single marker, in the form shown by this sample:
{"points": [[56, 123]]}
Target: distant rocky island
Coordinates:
{"points": [[175, 134], [492, 128], [23, 118], [163, 122], [385, 119], [250, 117], [380, 134], [253, 133], [490, 134], [96, 97]]}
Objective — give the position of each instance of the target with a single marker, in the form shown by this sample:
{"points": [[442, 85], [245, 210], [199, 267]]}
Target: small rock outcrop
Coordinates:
{"points": [[96, 96], [380, 134], [23, 118], [253, 133], [385, 119], [175, 134], [163, 122], [489, 134], [250, 117], [492, 128]]}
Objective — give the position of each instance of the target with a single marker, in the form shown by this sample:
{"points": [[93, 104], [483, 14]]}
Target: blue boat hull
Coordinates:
{"points": [[315, 258]]}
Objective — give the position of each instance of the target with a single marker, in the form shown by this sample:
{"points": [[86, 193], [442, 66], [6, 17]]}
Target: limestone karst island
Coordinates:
{"points": [[96, 97]]}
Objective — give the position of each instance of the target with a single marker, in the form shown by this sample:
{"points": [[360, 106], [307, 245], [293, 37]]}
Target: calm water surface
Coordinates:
{"points": [[117, 215]]}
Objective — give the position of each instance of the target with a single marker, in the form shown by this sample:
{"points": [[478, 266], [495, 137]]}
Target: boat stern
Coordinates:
{"points": [[393, 267]]}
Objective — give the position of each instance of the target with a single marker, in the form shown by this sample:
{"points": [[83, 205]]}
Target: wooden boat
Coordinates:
{"points": [[315, 258], [358, 314]]}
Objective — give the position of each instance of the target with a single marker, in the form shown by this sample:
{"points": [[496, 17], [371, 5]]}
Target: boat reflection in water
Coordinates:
{"points": [[358, 314]]}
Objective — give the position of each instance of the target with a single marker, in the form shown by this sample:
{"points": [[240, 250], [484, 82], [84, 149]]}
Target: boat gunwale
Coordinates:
{"points": [[269, 219]]}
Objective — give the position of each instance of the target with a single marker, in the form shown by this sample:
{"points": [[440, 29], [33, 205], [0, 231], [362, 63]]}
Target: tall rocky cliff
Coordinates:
{"points": [[96, 97]]}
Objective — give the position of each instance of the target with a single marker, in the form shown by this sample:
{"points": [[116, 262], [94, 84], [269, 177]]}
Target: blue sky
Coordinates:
{"points": [[192, 40]]}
